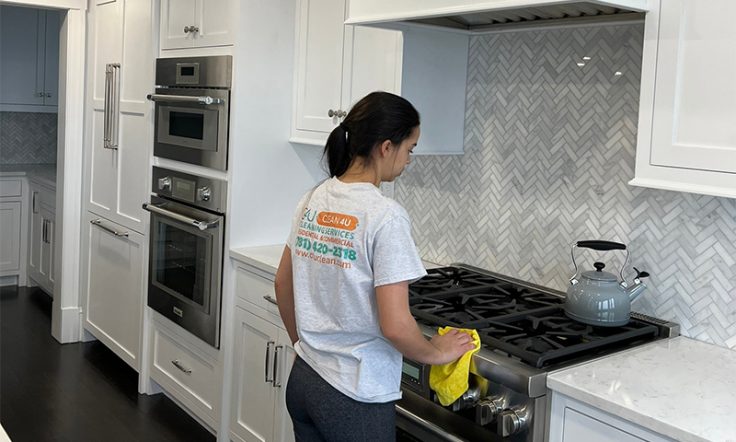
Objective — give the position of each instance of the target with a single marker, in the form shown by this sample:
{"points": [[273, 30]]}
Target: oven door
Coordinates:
{"points": [[192, 125], [185, 267]]}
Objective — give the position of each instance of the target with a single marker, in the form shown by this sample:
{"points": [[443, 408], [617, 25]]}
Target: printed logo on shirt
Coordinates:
{"points": [[329, 240]]}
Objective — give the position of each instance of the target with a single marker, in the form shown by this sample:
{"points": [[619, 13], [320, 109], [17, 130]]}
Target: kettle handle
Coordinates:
{"points": [[602, 246]]}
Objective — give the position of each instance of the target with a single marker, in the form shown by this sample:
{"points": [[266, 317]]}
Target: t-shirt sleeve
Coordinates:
{"points": [[395, 256], [296, 219]]}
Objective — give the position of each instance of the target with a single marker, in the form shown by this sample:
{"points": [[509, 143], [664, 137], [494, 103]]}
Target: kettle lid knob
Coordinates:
{"points": [[599, 266]]}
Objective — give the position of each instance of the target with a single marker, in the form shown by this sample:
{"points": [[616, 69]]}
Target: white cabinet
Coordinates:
{"points": [[574, 421], [29, 59], [41, 238], [121, 57], [196, 23], [10, 236], [187, 369], [686, 138], [13, 228], [336, 65], [262, 361], [113, 268]]}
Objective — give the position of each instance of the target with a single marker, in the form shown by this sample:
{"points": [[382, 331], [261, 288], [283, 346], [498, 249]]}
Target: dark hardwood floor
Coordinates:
{"points": [[74, 392]]}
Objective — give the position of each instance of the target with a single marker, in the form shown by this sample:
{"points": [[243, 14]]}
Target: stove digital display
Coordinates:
{"points": [[412, 371]]}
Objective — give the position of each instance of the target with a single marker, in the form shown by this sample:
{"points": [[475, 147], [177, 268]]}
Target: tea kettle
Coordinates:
{"points": [[598, 297]]}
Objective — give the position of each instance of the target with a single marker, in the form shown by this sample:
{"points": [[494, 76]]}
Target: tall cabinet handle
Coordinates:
{"points": [[112, 105], [276, 380], [33, 202], [268, 356], [106, 108]]}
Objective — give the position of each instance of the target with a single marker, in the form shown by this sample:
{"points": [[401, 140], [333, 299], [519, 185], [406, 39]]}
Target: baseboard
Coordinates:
{"points": [[70, 325], [8, 280]]}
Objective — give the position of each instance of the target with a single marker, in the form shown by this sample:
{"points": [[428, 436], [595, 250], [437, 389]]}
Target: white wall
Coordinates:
{"points": [[269, 174]]}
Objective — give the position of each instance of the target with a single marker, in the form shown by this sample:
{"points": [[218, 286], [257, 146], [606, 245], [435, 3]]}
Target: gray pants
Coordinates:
{"points": [[322, 413]]}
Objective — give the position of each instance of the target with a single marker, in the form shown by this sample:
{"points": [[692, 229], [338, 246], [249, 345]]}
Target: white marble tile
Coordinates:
{"points": [[681, 388]]}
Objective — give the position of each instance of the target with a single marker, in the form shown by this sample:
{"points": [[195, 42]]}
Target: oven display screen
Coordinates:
{"points": [[182, 189], [186, 71], [186, 124], [411, 370]]}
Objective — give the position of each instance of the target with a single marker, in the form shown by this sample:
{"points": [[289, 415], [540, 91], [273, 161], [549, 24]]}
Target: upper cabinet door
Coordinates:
{"points": [[214, 23], [372, 63], [51, 59], [177, 20], [695, 93], [319, 61], [21, 67]]}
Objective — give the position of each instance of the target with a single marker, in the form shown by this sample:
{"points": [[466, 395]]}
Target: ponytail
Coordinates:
{"points": [[377, 117], [337, 151]]}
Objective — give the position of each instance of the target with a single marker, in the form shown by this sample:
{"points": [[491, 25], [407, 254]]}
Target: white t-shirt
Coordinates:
{"points": [[347, 239]]}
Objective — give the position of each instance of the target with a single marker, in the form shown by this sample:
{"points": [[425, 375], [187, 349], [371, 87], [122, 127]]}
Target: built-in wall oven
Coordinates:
{"points": [[193, 109], [186, 250]]}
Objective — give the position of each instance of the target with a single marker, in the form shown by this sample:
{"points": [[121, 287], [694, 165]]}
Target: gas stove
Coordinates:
{"points": [[524, 335]]}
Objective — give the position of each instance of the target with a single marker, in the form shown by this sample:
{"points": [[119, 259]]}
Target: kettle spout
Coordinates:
{"points": [[635, 290]]}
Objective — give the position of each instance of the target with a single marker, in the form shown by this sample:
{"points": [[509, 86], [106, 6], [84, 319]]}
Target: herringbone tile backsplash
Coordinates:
{"points": [[27, 138], [549, 149]]}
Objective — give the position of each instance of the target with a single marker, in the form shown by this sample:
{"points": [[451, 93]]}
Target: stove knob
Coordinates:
{"points": [[164, 183], [204, 193], [488, 408], [512, 421]]}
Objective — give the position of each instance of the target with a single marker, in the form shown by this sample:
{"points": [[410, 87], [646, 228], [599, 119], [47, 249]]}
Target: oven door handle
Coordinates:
{"points": [[201, 225], [426, 425], [185, 99]]}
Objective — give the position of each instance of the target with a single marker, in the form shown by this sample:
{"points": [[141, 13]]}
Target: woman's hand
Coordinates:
{"points": [[451, 345]]}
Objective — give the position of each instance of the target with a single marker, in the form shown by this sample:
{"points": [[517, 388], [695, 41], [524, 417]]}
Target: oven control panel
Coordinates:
{"points": [[202, 192]]}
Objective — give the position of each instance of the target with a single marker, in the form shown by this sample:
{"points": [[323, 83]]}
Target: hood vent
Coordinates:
{"points": [[480, 16]]}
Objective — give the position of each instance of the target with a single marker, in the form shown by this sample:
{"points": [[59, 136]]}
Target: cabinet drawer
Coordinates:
{"points": [[256, 289], [11, 187], [187, 376]]}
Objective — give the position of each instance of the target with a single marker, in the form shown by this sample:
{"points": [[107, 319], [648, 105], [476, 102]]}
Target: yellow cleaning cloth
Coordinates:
{"points": [[450, 381]]}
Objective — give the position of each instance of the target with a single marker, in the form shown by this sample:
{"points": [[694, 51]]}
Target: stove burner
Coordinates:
{"points": [[525, 322]]}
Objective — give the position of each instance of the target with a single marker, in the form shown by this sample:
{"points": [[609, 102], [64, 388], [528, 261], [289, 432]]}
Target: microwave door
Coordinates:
{"points": [[188, 127]]}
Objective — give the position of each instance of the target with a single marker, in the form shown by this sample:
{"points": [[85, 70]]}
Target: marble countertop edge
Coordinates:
{"points": [[605, 404]]}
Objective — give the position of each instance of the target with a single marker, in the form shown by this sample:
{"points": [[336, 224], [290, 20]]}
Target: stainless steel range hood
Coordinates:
{"points": [[486, 15]]}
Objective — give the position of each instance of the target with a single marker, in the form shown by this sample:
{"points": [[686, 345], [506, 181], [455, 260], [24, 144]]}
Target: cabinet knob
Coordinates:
{"points": [[336, 113], [48, 95], [187, 29]]}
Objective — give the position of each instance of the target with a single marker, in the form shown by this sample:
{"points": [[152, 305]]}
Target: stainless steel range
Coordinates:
{"points": [[524, 334]]}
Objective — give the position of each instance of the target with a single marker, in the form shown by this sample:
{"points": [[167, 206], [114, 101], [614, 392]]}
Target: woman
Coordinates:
{"points": [[342, 284]]}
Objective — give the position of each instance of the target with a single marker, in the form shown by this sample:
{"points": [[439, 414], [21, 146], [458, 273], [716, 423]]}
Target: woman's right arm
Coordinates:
{"points": [[399, 327]]}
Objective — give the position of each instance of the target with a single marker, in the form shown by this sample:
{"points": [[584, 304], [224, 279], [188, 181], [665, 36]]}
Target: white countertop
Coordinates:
{"points": [[267, 258], [45, 173], [681, 388]]}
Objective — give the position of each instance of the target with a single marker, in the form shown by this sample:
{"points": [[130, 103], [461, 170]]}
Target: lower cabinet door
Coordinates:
{"points": [[252, 411], [10, 236], [282, 426], [115, 287]]}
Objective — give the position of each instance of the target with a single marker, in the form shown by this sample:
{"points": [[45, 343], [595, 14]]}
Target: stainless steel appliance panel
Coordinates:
{"points": [[211, 71]]}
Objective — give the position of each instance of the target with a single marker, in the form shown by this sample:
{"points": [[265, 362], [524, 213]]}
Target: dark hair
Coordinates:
{"points": [[377, 117]]}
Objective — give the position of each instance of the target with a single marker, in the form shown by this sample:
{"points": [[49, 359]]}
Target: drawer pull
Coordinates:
{"points": [[270, 299], [268, 356], [98, 222], [178, 365]]}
